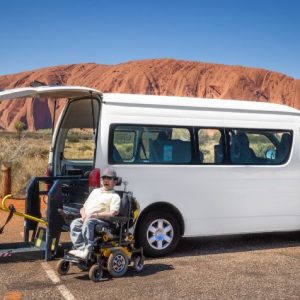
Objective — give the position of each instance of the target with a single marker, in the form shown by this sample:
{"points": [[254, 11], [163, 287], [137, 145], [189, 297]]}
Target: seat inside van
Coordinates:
{"points": [[166, 151], [240, 150], [283, 148]]}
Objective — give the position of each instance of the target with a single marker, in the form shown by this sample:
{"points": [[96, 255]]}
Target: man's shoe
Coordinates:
{"points": [[73, 252], [83, 254]]}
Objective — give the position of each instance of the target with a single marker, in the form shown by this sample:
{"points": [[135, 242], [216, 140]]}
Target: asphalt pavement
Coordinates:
{"points": [[260, 266]]}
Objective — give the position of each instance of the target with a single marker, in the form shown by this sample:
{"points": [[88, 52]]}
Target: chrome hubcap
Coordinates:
{"points": [[119, 263], [160, 234]]}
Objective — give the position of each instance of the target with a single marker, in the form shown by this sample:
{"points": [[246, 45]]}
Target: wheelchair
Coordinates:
{"points": [[113, 249]]}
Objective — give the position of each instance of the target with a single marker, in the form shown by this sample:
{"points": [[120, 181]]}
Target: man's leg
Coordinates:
{"points": [[76, 233], [88, 231]]}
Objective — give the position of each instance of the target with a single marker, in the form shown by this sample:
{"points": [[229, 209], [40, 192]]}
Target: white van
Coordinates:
{"points": [[197, 166]]}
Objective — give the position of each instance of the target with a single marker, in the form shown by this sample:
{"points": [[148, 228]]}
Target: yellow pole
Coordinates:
{"points": [[5, 208]]}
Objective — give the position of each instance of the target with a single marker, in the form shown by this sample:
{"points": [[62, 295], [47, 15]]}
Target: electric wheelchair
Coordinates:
{"points": [[113, 248]]}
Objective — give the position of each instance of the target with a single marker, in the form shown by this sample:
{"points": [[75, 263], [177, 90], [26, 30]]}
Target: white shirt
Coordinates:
{"points": [[100, 200]]}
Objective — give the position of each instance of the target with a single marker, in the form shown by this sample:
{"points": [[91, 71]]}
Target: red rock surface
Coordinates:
{"points": [[158, 77]]}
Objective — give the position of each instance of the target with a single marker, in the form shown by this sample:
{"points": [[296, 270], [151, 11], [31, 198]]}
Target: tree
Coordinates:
{"points": [[19, 126]]}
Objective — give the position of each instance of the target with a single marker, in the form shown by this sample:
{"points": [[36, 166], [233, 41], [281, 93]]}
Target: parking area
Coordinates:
{"points": [[264, 266]]}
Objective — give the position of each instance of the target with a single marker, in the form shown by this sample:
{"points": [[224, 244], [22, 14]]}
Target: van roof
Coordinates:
{"points": [[174, 102], [198, 103], [49, 92]]}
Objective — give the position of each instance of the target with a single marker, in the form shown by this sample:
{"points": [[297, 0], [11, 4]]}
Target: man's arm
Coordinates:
{"points": [[82, 213], [112, 213]]}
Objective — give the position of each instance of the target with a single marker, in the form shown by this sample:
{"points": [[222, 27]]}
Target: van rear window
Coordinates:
{"points": [[259, 147]]}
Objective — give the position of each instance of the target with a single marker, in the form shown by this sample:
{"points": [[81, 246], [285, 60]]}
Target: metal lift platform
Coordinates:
{"points": [[41, 235]]}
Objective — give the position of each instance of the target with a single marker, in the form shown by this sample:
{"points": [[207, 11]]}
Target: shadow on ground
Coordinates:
{"points": [[149, 269], [235, 243]]}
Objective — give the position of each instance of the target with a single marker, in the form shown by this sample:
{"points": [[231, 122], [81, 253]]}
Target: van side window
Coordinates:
{"points": [[259, 147], [138, 144], [210, 146]]}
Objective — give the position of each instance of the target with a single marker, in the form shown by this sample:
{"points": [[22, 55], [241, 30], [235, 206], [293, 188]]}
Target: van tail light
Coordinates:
{"points": [[94, 179]]}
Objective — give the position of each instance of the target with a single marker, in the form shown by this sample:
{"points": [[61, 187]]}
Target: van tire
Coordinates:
{"points": [[158, 233]]}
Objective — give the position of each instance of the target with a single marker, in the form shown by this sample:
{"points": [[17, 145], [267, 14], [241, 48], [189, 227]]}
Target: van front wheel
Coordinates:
{"points": [[158, 233]]}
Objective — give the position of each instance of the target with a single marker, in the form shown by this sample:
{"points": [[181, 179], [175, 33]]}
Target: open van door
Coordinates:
{"points": [[71, 157], [49, 92], [79, 118]]}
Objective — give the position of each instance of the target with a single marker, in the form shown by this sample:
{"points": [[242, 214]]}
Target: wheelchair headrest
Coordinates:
{"points": [[124, 210], [118, 181]]}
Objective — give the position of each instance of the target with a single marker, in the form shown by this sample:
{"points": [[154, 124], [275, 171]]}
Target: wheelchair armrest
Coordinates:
{"points": [[115, 219], [68, 216]]}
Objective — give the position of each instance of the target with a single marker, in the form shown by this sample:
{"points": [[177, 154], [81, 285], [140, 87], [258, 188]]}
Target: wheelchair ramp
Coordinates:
{"points": [[20, 251]]}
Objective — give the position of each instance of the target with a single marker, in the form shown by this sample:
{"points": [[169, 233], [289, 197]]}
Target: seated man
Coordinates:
{"points": [[240, 149], [102, 202], [283, 148]]}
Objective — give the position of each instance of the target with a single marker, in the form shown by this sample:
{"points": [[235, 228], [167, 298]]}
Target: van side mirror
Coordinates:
{"points": [[270, 154]]}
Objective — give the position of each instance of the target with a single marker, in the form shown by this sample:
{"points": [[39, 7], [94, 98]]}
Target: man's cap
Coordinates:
{"points": [[109, 172]]}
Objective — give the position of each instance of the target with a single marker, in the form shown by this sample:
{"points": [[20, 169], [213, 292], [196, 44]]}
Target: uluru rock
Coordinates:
{"points": [[155, 77]]}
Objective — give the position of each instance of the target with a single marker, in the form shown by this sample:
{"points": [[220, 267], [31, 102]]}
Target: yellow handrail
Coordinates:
{"points": [[5, 208]]}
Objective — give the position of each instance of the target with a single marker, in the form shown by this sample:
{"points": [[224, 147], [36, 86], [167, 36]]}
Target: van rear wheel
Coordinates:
{"points": [[158, 233]]}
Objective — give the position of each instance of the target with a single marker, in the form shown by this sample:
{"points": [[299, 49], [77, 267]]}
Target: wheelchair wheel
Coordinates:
{"points": [[63, 267], [138, 263], [95, 273], [117, 263]]}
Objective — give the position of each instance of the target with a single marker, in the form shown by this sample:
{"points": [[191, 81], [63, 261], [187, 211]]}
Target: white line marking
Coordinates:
{"points": [[56, 280]]}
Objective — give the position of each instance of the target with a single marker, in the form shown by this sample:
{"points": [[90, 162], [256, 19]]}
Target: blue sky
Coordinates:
{"points": [[254, 33]]}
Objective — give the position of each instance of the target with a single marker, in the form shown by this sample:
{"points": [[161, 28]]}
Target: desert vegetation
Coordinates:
{"points": [[27, 155]]}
